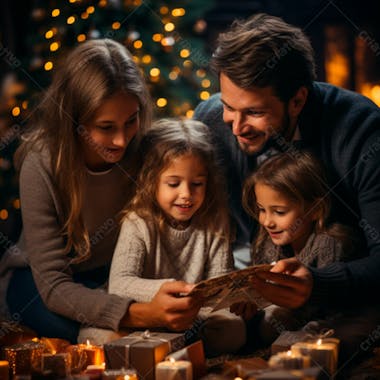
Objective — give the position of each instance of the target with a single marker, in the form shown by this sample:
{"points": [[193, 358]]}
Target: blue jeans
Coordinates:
{"points": [[27, 307]]}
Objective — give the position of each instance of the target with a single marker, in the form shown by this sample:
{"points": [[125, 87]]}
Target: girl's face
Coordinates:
{"points": [[182, 188], [106, 136], [285, 221]]}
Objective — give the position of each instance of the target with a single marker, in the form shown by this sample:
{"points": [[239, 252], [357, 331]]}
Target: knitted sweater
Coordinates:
{"points": [[53, 273], [342, 128], [320, 250], [143, 260]]}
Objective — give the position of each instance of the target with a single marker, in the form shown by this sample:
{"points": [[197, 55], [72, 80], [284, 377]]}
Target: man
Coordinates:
{"points": [[270, 102]]}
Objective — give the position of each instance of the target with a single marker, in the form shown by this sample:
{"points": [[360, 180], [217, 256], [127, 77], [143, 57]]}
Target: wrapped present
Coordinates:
{"points": [[24, 357], [195, 354], [142, 351], [287, 339]]}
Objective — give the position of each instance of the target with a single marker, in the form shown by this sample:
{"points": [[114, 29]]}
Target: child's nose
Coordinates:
{"points": [[185, 191]]}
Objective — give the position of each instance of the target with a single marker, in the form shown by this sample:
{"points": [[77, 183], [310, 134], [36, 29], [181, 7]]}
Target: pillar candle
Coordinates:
{"points": [[323, 352], [289, 360], [95, 371], [4, 370], [174, 370]]}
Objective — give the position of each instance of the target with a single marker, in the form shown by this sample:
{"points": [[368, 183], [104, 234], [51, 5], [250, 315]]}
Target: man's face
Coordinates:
{"points": [[254, 115]]}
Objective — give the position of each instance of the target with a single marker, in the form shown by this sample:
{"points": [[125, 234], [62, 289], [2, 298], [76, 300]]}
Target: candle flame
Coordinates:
{"points": [[319, 342], [171, 360], [88, 343], [289, 353]]}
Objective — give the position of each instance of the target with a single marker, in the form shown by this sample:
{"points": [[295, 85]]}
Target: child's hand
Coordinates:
{"points": [[245, 309]]}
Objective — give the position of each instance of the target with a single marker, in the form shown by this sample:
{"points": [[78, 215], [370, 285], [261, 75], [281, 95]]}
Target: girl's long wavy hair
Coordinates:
{"points": [[91, 73], [300, 178], [167, 140]]}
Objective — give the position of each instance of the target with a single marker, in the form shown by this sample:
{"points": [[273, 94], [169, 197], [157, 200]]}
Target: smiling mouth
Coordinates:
{"points": [[184, 206]]}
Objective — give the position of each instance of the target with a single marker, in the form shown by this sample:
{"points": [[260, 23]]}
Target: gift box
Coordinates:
{"points": [[287, 339], [243, 367], [195, 354], [142, 351]]}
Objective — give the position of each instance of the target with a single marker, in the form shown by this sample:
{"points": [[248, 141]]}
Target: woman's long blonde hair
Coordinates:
{"points": [[92, 72], [164, 142]]}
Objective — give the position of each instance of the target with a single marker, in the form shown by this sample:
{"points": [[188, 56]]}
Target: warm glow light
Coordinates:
{"points": [[70, 20], [187, 63], [88, 344], [189, 114], [169, 27], [48, 65], [54, 46], [161, 102], [116, 25], [204, 95], [146, 59], [177, 12], [319, 342], [84, 16], [55, 12], [184, 53], [16, 111], [157, 37], [375, 94], [3, 214], [138, 44], [206, 83], [24, 104], [81, 37], [201, 73], [164, 10], [90, 10], [168, 41], [49, 34], [102, 3], [16, 204], [173, 75], [154, 72]]}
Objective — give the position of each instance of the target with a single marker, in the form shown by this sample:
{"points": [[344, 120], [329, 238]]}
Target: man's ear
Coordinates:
{"points": [[297, 102]]}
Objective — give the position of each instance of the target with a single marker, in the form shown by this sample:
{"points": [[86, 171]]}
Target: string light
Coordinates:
{"points": [[201, 73], [189, 114], [55, 12], [161, 102], [70, 20], [54, 46], [206, 83], [187, 63], [3, 214], [178, 12], [164, 10], [138, 44], [157, 37], [24, 104], [116, 25], [154, 72], [146, 59], [169, 27], [49, 34], [102, 3], [204, 95], [48, 65], [184, 53], [84, 16], [90, 10], [81, 37], [16, 204], [173, 75], [16, 111]]}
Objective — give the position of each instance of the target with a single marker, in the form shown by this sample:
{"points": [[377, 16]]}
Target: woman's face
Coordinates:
{"points": [[106, 136]]}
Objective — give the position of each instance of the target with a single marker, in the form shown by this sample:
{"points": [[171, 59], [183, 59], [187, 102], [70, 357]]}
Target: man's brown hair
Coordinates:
{"points": [[265, 51]]}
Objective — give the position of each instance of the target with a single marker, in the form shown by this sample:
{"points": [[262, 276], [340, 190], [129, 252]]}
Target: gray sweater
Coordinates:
{"points": [[53, 273], [143, 261]]}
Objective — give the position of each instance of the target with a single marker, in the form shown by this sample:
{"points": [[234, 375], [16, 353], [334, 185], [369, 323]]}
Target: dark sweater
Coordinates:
{"points": [[342, 128]]}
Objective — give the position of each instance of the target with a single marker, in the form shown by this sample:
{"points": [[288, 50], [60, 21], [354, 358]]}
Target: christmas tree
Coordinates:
{"points": [[166, 39]]}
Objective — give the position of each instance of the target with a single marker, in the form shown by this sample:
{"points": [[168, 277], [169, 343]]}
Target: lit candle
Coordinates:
{"points": [[174, 370], [4, 369], [289, 360], [95, 371], [58, 364], [95, 354], [324, 353]]}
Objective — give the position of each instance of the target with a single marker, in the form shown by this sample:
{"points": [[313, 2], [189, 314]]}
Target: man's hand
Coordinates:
{"points": [[289, 283], [166, 309]]}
